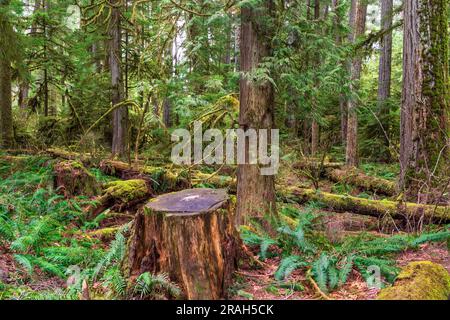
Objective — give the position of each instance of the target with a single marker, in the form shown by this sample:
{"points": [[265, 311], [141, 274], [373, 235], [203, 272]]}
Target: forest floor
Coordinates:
{"points": [[43, 234], [259, 284]]}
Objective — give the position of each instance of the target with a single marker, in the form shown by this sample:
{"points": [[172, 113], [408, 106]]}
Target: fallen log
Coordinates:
{"points": [[378, 208], [120, 195], [316, 165], [190, 235], [358, 178], [420, 280]]}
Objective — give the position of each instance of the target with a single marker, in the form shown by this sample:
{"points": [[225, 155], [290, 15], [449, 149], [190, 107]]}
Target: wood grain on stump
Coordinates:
{"points": [[190, 235]]}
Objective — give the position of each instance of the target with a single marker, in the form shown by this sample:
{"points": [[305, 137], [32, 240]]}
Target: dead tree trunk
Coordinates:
{"points": [[255, 192], [424, 123], [189, 235], [358, 25]]}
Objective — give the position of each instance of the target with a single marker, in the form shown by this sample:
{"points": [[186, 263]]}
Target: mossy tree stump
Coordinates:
{"points": [[190, 235], [72, 179]]}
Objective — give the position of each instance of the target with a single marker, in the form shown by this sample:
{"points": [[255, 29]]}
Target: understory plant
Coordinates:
{"points": [[301, 246]]}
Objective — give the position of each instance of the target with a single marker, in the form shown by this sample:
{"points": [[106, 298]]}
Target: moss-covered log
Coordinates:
{"points": [[126, 191], [379, 208], [190, 235], [72, 178], [317, 165], [421, 280], [358, 178]]}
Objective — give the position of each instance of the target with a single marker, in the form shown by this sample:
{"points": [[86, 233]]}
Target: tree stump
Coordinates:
{"points": [[73, 179], [189, 235]]}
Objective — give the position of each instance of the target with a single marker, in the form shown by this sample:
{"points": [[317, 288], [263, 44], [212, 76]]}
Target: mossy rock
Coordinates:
{"points": [[126, 190], [421, 280]]}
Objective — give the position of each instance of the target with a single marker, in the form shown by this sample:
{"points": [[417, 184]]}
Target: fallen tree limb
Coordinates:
{"points": [[378, 208]]}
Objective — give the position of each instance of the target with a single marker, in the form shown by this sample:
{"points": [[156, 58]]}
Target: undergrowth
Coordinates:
{"points": [[40, 230], [303, 247]]}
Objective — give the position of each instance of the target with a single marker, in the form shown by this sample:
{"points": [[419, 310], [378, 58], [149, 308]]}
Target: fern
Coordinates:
{"points": [[151, 286], [289, 265], [25, 262], [320, 271], [115, 253], [114, 280]]}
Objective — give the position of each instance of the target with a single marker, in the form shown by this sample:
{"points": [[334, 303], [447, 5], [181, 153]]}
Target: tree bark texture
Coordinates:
{"points": [[255, 192], [358, 25], [424, 123]]}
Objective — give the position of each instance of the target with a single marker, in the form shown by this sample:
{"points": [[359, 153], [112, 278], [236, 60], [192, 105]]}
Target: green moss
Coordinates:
{"points": [[126, 191], [422, 280]]}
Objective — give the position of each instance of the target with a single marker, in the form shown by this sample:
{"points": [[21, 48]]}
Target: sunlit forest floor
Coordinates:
{"points": [[51, 242]]}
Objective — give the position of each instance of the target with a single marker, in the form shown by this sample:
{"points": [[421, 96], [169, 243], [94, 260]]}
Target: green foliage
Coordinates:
{"points": [[330, 265], [149, 286]]}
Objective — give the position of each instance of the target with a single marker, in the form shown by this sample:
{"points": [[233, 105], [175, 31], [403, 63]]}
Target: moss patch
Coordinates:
{"points": [[422, 280], [126, 191]]}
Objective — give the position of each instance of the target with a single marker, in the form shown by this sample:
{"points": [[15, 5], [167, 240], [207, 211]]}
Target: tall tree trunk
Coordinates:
{"points": [[255, 192], [120, 114], [46, 93], [424, 136], [6, 121], [358, 25], [315, 130], [384, 70], [342, 101]]}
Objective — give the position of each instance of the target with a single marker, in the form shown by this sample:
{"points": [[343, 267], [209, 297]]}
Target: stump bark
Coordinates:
{"points": [[189, 235]]}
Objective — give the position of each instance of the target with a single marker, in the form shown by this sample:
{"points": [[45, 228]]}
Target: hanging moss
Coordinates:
{"points": [[422, 280]]}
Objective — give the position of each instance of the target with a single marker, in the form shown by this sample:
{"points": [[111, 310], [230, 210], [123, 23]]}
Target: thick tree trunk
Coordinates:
{"points": [[424, 136], [255, 192], [384, 70], [189, 235], [358, 25], [120, 115]]}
